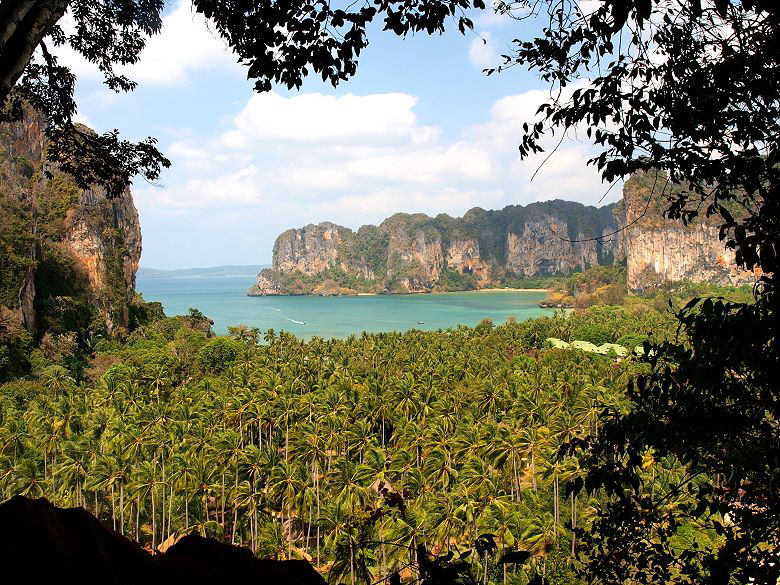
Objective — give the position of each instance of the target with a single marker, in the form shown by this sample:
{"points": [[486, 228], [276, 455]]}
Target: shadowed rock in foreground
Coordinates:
{"points": [[42, 543]]}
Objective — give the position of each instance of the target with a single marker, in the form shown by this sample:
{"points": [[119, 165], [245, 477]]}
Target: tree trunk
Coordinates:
{"points": [[23, 24], [351, 564], [154, 522], [556, 505], [573, 521], [113, 507]]}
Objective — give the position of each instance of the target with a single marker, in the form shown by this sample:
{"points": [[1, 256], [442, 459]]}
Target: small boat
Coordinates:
{"points": [[421, 322]]}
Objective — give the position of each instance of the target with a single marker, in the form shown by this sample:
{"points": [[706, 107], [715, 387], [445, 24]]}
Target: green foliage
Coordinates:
{"points": [[598, 285], [484, 326], [450, 280], [15, 346], [118, 376], [218, 354], [143, 313], [699, 152], [462, 425]]}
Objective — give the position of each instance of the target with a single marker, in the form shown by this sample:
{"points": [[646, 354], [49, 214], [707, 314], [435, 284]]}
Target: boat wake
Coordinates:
{"points": [[294, 321]]}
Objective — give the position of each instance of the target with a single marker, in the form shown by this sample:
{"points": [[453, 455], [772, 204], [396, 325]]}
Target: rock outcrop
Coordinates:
{"points": [[310, 249], [104, 238], [42, 543], [660, 251], [417, 253], [62, 245]]}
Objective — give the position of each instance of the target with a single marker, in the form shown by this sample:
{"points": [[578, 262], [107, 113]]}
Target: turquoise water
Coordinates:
{"points": [[224, 300]]}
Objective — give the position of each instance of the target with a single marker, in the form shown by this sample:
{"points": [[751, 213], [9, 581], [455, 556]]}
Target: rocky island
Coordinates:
{"points": [[412, 253]]}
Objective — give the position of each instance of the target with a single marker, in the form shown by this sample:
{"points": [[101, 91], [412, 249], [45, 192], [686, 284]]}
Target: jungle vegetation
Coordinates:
{"points": [[352, 453]]}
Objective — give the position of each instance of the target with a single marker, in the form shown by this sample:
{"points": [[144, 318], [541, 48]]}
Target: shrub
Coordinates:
{"points": [[218, 354]]}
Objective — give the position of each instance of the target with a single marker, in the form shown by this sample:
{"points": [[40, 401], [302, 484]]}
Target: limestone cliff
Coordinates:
{"points": [[417, 253], [66, 252], [104, 237], [311, 249], [659, 250]]}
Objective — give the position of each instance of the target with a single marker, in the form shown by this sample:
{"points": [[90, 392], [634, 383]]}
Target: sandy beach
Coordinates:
{"points": [[484, 290]]}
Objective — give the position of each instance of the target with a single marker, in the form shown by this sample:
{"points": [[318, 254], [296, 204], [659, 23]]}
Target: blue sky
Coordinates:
{"points": [[419, 129]]}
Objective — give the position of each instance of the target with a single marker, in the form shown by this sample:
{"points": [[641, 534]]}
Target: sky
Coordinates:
{"points": [[420, 128]]}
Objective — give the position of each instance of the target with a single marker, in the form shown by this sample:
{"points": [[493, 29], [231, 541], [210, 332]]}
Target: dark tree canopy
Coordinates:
{"points": [[279, 41], [690, 88]]}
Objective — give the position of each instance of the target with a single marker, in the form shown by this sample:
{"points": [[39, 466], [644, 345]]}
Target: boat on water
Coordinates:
{"points": [[421, 322]]}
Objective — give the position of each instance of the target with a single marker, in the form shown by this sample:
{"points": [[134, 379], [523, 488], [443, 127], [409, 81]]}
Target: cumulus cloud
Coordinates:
{"points": [[482, 51], [376, 205], [380, 119], [357, 159], [186, 43]]}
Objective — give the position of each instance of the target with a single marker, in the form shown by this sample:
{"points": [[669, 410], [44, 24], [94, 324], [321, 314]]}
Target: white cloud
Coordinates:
{"points": [[427, 167], [482, 51], [82, 119], [239, 187], [186, 43], [357, 159], [374, 206], [377, 119]]}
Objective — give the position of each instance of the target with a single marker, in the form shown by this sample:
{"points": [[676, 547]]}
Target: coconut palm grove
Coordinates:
{"points": [[350, 453]]}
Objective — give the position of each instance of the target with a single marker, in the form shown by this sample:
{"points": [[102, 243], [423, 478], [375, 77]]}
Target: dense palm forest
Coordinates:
{"points": [[351, 453]]}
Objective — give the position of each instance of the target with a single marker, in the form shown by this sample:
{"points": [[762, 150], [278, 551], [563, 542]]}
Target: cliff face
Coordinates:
{"points": [[533, 251], [659, 250], [309, 250], [65, 250], [417, 253], [104, 238]]}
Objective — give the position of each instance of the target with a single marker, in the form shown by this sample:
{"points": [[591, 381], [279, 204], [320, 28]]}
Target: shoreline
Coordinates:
{"points": [[447, 292], [419, 292], [483, 290]]}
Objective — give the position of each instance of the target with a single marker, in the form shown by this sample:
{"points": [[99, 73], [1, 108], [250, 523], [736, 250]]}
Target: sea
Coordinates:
{"points": [[223, 299]]}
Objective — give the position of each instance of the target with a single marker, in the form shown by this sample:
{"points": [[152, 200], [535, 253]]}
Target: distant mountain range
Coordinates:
{"points": [[208, 272]]}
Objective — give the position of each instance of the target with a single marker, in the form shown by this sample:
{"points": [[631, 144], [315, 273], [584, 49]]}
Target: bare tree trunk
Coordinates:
{"points": [[170, 510], [154, 522], [23, 24], [113, 507], [556, 504], [573, 521]]}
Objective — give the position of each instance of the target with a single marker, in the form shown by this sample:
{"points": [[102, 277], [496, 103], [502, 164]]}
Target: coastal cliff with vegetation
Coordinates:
{"points": [[409, 253], [660, 251], [69, 255]]}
